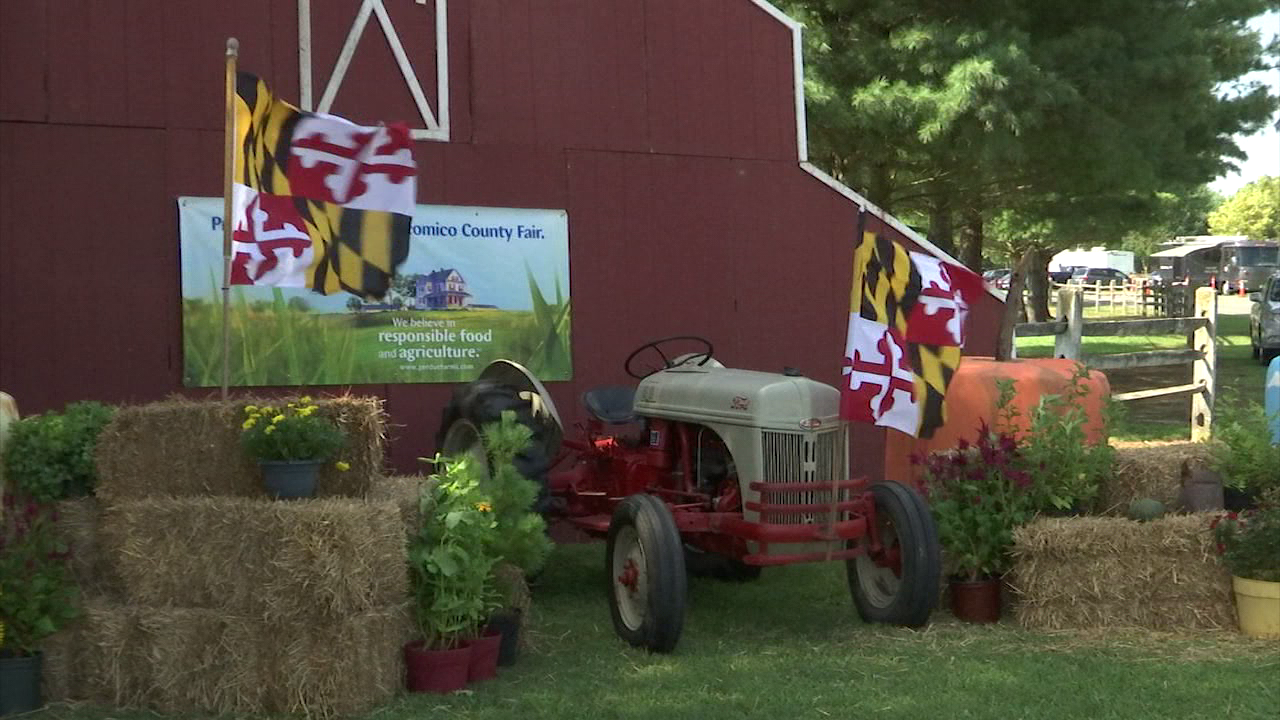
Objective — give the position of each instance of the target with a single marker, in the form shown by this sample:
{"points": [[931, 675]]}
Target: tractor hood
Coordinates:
{"points": [[739, 397]]}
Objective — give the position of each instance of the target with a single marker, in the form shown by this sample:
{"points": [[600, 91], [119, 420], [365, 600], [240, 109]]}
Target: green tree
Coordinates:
{"points": [[1254, 211], [957, 112]]}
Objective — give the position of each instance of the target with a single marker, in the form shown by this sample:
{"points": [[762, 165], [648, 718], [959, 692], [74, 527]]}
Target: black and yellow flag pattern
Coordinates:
{"points": [[319, 202], [888, 353]]}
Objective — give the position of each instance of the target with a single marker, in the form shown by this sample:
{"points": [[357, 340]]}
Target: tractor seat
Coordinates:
{"points": [[612, 404]]}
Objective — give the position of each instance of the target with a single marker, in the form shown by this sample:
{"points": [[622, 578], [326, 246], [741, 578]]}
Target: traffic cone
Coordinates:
{"points": [[1242, 292]]}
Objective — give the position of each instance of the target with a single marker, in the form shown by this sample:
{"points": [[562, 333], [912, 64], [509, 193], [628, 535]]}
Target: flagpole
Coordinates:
{"points": [[228, 169]]}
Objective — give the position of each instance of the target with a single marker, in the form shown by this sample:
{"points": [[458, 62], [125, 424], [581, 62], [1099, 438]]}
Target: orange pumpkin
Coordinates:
{"points": [[972, 397]]}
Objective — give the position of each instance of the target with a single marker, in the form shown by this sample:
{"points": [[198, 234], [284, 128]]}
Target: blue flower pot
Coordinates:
{"points": [[290, 479], [19, 683]]}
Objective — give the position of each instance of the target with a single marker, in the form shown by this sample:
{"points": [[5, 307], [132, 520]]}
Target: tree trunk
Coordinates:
{"points": [[941, 226], [1013, 310], [881, 188], [1038, 284], [972, 235]]}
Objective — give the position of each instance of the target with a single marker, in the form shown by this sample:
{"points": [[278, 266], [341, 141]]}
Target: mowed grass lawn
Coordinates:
{"points": [[790, 646]]}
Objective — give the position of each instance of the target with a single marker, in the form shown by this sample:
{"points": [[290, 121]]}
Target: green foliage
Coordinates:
{"points": [[37, 595], [1249, 543], [50, 456], [294, 432], [451, 558], [1067, 469], [1253, 211], [978, 494], [521, 537], [1242, 451]]}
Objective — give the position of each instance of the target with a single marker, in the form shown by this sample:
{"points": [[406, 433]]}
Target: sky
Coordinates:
{"points": [[1262, 148]]}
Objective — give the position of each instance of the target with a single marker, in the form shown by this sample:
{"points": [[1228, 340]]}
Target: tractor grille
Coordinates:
{"points": [[816, 458]]}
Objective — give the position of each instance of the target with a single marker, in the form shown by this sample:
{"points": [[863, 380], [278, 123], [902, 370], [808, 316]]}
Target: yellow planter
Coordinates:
{"points": [[1257, 606]]}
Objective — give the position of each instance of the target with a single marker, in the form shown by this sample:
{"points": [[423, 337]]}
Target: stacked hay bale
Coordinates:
{"points": [[204, 595], [1148, 469], [1106, 572]]}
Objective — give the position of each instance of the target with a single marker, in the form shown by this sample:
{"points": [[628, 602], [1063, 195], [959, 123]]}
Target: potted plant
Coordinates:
{"points": [[978, 492], [290, 443], [37, 598], [1249, 544], [451, 566], [50, 456], [1242, 453]]}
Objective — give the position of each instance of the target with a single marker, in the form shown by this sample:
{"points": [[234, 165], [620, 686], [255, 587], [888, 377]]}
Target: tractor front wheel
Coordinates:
{"points": [[648, 588], [897, 582]]}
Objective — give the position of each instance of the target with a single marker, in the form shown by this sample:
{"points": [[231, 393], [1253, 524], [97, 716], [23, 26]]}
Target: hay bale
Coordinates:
{"points": [[405, 491], [200, 660], [261, 558], [78, 523], [185, 448], [1148, 469], [1101, 572], [62, 671]]}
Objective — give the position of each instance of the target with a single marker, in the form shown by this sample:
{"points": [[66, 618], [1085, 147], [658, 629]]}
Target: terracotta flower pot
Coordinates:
{"points": [[484, 656], [436, 671], [976, 601]]}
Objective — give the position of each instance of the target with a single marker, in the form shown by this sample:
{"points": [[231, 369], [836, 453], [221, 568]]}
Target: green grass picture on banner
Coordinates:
{"points": [[479, 284]]}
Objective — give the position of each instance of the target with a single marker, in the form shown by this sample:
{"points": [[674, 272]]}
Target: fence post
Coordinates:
{"points": [[1204, 370], [1066, 344]]}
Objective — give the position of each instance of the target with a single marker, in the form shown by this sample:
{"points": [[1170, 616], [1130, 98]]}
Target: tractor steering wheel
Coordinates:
{"points": [[696, 358]]}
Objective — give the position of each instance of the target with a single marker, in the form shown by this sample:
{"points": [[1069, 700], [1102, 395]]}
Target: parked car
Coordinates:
{"points": [[1264, 321], [998, 277], [1063, 275], [1091, 276]]}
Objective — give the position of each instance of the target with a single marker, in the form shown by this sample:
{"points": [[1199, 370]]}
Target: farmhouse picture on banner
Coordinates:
{"points": [[479, 283]]}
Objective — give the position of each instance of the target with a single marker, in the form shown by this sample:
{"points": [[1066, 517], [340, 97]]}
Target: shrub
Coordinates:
{"points": [[1068, 471], [1242, 451], [293, 432], [978, 494], [37, 596], [521, 536], [1249, 543], [451, 561], [51, 456]]}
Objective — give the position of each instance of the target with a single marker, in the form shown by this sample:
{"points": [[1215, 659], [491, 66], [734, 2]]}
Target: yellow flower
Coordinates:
{"points": [[342, 466], [250, 409], [305, 399], [270, 429], [306, 411], [293, 405], [277, 419], [484, 507], [250, 422]]}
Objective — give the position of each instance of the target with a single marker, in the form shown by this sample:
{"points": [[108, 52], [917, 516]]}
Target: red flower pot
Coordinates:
{"points": [[976, 601], [484, 656], [436, 671]]}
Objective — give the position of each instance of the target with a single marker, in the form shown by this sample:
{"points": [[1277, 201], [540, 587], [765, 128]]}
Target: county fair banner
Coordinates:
{"points": [[479, 284]]}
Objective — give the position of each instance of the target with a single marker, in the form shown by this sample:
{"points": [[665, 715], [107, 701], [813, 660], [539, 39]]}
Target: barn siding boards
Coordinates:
{"points": [[89, 273], [23, 47], [504, 176], [502, 73]]}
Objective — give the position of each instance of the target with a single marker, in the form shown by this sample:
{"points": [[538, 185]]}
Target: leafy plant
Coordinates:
{"points": [[294, 432], [1249, 543], [520, 537], [37, 596], [978, 494], [1068, 469], [50, 456], [451, 559], [1242, 451]]}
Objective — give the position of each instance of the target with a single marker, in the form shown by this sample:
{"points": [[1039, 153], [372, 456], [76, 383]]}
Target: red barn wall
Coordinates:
{"points": [[665, 128]]}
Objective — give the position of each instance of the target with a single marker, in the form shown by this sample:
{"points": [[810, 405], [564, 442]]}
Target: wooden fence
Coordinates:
{"points": [[1126, 299], [1200, 327]]}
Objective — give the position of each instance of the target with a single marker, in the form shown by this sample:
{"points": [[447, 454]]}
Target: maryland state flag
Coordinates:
{"points": [[906, 328], [317, 201]]}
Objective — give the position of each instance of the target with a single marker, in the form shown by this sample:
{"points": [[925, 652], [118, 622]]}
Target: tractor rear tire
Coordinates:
{"points": [[479, 403], [901, 586], [648, 587]]}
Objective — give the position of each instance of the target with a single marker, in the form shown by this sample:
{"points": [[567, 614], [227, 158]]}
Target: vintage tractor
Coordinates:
{"points": [[724, 470]]}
